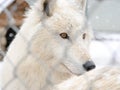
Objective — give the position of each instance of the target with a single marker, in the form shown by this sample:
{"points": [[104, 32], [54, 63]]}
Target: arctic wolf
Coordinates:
{"points": [[51, 46]]}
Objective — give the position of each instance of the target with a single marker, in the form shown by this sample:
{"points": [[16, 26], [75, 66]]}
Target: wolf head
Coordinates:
{"points": [[63, 34]]}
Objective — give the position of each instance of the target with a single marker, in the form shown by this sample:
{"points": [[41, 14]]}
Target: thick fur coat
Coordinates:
{"points": [[51, 46]]}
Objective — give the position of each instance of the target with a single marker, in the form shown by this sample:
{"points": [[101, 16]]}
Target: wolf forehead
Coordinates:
{"points": [[67, 22]]}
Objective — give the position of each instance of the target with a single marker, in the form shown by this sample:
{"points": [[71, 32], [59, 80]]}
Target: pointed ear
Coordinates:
{"points": [[83, 5], [48, 7]]}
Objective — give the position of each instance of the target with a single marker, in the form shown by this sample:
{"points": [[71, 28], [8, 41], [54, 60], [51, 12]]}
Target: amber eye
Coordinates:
{"points": [[64, 35], [84, 36]]}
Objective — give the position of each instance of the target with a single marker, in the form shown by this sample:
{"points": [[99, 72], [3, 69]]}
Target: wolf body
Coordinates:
{"points": [[106, 78]]}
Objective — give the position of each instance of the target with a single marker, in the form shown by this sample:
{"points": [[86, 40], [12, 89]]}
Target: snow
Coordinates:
{"points": [[106, 52], [97, 17], [99, 53]]}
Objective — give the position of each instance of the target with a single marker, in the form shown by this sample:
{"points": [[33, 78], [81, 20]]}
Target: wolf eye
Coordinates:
{"points": [[84, 36], [64, 35]]}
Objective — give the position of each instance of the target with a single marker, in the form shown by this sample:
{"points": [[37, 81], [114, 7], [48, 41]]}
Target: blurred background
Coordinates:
{"points": [[103, 15]]}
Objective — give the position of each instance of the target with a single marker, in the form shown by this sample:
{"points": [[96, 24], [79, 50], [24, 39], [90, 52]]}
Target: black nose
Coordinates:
{"points": [[89, 65]]}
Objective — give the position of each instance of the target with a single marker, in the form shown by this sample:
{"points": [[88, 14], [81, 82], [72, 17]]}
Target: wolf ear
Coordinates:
{"points": [[48, 7], [83, 5], [30, 2]]}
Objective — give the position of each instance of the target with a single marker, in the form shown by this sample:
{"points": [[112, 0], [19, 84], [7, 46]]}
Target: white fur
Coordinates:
{"points": [[98, 79], [39, 53]]}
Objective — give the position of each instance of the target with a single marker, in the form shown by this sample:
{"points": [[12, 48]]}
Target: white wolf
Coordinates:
{"points": [[51, 46]]}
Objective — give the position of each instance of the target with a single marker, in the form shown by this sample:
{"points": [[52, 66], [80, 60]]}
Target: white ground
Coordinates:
{"points": [[106, 52]]}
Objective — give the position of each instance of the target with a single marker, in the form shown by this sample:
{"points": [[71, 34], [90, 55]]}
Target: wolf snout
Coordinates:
{"points": [[89, 65]]}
